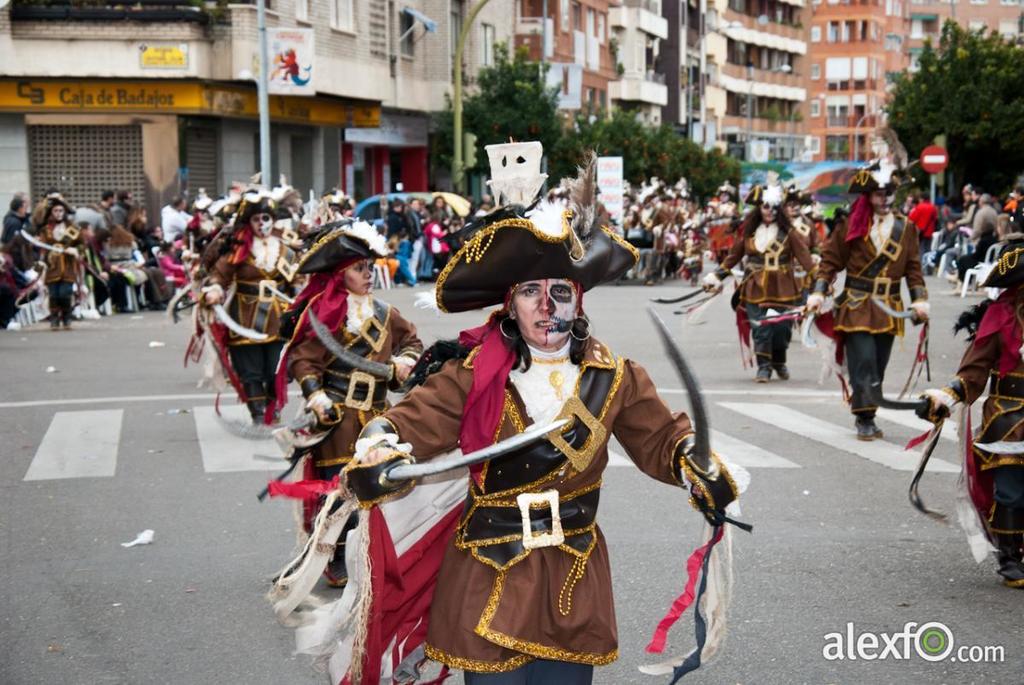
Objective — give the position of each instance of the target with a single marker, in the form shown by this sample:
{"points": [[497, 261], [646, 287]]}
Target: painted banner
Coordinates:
{"points": [[609, 185], [291, 61]]}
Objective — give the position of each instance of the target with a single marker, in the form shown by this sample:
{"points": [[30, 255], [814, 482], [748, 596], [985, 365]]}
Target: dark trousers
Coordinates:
{"points": [[61, 301], [256, 365], [1008, 514], [539, 672], [972, 260], [770, 342], [867, 355], [8, 308]]}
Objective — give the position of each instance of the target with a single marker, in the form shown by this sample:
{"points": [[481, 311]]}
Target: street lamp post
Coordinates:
{"points": [[263, 94], [750, 108], [457, 170]]}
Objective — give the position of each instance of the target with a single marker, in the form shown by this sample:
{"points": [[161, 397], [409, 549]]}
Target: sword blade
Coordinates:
{"points": [[529, 436], [251, 431], [908, 314], [899, 405], [701, 456], [806, 338], [225, 318], [677, 300], [1001, 447], [347, 356]]}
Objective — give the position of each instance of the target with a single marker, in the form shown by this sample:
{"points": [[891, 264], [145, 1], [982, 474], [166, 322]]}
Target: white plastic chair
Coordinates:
{"points": [[381, 276], [979, 273]]}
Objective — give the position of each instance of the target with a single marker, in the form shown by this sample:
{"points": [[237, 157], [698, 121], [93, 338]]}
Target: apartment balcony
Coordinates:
{"points": [[739, 124], [640, 15], [779, 78], [750, 24], [635, 87]]}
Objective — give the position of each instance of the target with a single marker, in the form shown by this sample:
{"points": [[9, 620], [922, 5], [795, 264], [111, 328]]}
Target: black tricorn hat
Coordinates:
{"points": [[510, 246], [1009, 268], [339, 244], [878, 175]]}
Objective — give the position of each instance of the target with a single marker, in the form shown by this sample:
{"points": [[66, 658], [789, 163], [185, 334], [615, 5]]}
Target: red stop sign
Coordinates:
{"points": [[934, 159]]}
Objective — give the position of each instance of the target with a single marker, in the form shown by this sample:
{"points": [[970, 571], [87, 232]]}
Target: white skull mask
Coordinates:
{"points": [[264, 224], [515, 171]]}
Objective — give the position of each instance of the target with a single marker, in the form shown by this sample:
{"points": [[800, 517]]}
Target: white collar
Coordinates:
{"points": [[557, 354]]}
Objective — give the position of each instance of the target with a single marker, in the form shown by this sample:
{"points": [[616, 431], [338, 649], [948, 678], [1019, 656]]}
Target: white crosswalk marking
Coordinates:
{"points": [[734, 450], [910, 420], [841, 438], [78, 444], [746, 454], [224, 452]]}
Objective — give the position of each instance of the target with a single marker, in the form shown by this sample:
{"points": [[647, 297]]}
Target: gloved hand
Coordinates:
{"points": [[71, 252], [940, 403], [711, 282], [366, 479], [213, 294], [321, 405], [814, 302], [920, 310]]}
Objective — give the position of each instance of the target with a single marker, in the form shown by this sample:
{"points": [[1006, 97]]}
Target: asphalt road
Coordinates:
{"points": [[835, 540]]}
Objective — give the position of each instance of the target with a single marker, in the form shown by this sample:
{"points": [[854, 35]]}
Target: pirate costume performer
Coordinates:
{"points": [[523, 593], [768, 246], [63, 266], [994, 461], [343, 399], [251, 277], [805, 230], [877, 248]]}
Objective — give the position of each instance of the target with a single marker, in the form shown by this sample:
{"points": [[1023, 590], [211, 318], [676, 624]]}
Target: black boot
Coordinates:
{"points": [[1010, 558], [256, 400], [65, 314], [866, 428], [336, 572], [764, 363], [779, 363], [54, 319]]}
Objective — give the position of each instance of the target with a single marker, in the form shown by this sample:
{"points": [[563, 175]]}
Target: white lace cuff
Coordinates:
{"points": [[364, 445]]}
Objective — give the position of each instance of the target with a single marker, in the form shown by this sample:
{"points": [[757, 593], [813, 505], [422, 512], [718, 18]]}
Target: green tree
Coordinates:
{"points": [[510, 100], [646, 151], [969, 88]]}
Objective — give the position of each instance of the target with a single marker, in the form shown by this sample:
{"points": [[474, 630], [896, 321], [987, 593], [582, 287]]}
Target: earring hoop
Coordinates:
{"points": [[586, 323], [501, 327]]}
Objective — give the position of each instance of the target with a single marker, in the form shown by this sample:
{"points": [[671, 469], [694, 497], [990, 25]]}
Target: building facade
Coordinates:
{"points": [[638, 31], [162, 101], [575, 40], [927, 17]]}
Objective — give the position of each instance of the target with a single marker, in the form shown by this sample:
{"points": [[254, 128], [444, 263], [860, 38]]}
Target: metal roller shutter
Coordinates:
{"points": [[201, 160], [83, 161]]}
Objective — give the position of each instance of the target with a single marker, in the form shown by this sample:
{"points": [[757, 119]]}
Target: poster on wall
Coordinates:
{"points": [[291, 61], [609, 185]]}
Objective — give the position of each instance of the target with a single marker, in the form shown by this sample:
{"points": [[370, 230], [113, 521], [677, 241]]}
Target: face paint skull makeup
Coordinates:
{"points": [[544, 311], [263, 223]]}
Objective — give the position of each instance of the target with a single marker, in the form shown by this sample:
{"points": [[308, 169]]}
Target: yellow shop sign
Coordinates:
{"points": [[163, 56]]}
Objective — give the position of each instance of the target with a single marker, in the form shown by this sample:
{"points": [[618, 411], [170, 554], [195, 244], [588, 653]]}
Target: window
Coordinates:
{"points": [[815, 146], [833, 32], [577, 17], [815, 34], [487, 45], [302, 10], [979, 2], [341, 15], [837, 147], [1011, 3], [601, 27], [916, 29], [1008, 29], [976, 25], [815, 72], [815, 107], [406, 29], [564, 6]]}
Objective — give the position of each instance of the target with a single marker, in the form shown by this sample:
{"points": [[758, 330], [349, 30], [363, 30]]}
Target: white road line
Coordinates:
{"points": [[910, 420], [838, 437], [78, 444], [223, 452], [746, 454]]}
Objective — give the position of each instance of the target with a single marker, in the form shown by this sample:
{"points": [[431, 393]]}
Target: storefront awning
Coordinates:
{"points": [[92, 96]]}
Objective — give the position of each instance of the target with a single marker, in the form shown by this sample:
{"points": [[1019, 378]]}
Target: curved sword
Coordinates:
{"points": [[239, 329], [250, 431], [532, 434], [919, 405], [677, 300], [806, 338], [40, 244], [889, 311], [350, 358], [701, 456]]}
